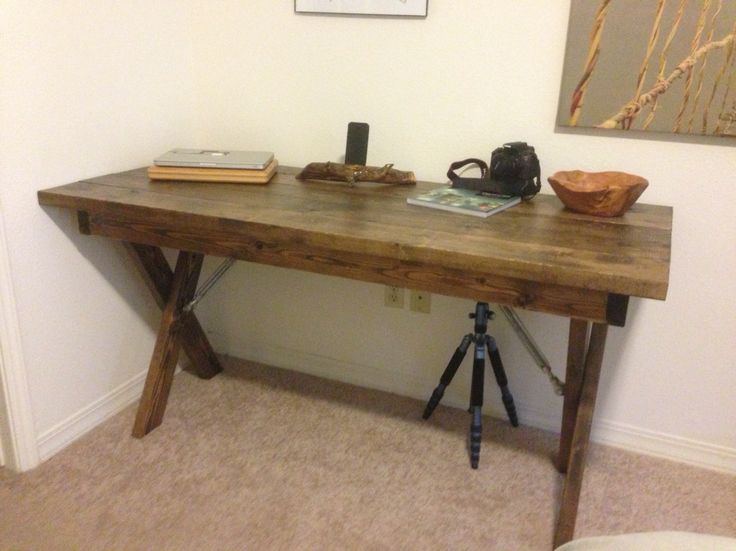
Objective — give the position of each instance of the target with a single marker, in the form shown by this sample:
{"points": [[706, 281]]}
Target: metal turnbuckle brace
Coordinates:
{"points": [[207, 285], [523, 333]]}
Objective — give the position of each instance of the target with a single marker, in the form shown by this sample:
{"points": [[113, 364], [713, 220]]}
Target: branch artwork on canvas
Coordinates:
{"points": [[652, 65]]}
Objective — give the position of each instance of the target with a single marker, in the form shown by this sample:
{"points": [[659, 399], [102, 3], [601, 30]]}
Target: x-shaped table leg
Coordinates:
{"points": [[172, 292]]}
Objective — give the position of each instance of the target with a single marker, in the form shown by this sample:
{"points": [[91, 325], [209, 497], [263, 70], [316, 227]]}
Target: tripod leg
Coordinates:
{"points": [[476, 431], [447, 376], [476, 403], [503, 383]]}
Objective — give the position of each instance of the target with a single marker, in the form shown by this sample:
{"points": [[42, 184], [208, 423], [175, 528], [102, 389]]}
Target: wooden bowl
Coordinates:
{"points": [[597, 193]]}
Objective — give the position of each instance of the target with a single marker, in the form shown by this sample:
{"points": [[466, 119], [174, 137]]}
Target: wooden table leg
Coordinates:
{"points": [[157, 274], [583, 419], [166, 351], [573, 385]]}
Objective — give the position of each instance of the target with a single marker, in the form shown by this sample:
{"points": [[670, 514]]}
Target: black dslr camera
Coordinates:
{"points": [[514, 170]]}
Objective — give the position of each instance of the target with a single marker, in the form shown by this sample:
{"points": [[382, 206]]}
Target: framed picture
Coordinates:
{"points": [[651, 65], [411, 8]]}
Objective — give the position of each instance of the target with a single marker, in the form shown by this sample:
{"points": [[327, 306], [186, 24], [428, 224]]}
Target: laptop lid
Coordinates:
{"points": [[215, 158]]}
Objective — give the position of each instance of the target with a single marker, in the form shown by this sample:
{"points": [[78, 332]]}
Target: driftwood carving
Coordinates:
{"points": [[356, 173]]}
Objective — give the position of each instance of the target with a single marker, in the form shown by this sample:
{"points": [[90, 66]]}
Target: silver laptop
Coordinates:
{"points": [[215, 158]]}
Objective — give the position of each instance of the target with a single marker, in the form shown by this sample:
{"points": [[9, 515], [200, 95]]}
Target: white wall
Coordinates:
{"points": [[91, 88], [85, 88]]}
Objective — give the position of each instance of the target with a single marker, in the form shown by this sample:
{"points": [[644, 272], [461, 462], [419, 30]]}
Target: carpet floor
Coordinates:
{"points": [[260, 458]]}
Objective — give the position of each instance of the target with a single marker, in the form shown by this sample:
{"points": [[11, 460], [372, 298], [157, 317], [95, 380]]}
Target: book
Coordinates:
{"points": [[464, 201]]}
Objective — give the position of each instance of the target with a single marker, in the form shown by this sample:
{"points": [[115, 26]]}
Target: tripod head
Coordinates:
{"points": [[481, 316]]}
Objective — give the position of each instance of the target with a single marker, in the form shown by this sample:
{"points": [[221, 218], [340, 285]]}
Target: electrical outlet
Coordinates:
{"points": [[420, 301], [394, 296]]}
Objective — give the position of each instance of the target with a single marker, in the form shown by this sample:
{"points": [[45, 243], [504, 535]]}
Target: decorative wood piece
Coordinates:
{"points": [[356, 173], [597, 193]]}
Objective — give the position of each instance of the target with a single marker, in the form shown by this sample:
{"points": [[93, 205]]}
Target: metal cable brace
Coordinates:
{"points": [[523, 333], [207, 285]]}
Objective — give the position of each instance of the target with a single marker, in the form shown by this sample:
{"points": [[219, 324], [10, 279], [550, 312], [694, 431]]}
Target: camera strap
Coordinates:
{"points": [[468, 183], [526, 189]]}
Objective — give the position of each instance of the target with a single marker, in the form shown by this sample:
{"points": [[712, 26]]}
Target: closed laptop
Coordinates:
{"points": [[215, 158]]}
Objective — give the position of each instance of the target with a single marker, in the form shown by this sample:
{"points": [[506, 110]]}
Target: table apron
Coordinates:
{"points": [[477, 285]]}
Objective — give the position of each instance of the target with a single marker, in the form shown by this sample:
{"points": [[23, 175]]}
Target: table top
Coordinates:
{"points": [[538, 241]]}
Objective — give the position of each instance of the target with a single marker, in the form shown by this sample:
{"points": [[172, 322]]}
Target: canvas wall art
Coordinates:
{"points": [[651, 65]]}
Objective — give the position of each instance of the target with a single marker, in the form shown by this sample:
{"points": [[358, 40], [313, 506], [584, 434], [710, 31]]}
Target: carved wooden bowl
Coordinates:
{"points": [[597, 193]]}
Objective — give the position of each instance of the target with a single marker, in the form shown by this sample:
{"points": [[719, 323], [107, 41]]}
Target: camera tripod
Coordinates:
{"points": [[482, 341]]}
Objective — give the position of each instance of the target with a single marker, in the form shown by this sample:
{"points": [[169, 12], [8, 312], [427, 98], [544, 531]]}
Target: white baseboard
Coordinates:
{"points": [[635, 439], [68, 430], [666, 446]]}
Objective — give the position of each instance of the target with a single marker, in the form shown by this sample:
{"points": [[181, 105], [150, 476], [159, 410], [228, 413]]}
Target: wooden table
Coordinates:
{"points": [[536, 256]]}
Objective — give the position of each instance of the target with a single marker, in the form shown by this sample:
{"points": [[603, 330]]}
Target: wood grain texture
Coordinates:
{"points": [[285, 249], [166, 351], [369, 232], [598, 193], [339, 172], [581, 435], [158, 276], [577, 341]]}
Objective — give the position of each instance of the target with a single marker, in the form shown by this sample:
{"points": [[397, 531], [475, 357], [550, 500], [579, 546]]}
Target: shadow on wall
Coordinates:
{"points": [[617, 342], [110, 259]]}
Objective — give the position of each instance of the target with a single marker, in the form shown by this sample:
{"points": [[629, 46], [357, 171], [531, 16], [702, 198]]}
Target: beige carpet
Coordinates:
{"points": [[265, 459]]}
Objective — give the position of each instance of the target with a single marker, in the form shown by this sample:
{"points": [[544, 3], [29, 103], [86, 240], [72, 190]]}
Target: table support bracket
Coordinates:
{"points": [[532, 347], [207, 285]]}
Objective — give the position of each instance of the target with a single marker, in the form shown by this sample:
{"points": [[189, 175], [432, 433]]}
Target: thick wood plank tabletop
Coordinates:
{"points": [[369, 232]]}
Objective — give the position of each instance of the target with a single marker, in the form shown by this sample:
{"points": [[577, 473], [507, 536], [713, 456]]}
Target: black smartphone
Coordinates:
{"points": [[356, 149]]}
